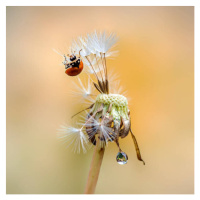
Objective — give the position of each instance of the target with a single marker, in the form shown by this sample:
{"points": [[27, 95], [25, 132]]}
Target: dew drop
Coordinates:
{"points": [[122, 158]]}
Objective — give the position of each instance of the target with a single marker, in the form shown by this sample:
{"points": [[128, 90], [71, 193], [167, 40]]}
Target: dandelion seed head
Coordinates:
{"points": [[108, 116]]}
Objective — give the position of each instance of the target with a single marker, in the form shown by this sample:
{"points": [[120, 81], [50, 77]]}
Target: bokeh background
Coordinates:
{"points": [[156, 67]]}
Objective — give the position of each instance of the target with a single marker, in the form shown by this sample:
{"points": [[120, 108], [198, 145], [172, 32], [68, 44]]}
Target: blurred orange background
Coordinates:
{"points": [[156, 67]]}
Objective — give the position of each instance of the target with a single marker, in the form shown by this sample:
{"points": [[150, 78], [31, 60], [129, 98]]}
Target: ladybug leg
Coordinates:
{"points": [[67, 66], [65, 62], [80, 53], [65, 58]]}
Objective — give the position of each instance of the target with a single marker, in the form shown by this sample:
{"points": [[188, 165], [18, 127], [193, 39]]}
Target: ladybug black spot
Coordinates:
{"points": [[76, 64], [72, 58]]}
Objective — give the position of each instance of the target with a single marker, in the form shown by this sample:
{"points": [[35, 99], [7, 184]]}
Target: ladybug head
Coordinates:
{"points": [[72, 57]]}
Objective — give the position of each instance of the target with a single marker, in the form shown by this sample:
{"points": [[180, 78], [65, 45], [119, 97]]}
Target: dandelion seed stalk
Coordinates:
{"points": [[108, 116], [94, 169]]}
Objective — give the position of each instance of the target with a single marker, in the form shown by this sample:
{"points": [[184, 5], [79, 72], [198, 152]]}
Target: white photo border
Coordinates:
{"points": [[3, 4]]}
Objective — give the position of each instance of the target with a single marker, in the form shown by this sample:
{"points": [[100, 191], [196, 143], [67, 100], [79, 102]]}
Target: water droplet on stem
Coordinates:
{"points": [[122, 158]]}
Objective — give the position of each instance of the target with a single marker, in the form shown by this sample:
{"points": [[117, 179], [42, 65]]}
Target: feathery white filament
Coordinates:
{"points": [[74, 136], [80, 45], [102, 42], [104, 131], [83, 92], [95, 43], [95, 62]]}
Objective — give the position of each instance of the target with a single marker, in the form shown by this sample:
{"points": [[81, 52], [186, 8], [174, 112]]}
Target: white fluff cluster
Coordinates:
{"points": [[105, 132], [95, 43], [74, 137], [83, 91]]}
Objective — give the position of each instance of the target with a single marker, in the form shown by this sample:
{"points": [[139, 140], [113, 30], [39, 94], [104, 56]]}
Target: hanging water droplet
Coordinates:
{"points": [[122, 158]]}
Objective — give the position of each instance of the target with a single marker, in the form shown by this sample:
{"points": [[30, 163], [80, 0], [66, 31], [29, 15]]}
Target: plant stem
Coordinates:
{"points": [[94, 169]]}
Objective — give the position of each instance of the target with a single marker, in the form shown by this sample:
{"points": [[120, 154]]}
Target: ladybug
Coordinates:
{"points": [[75, 66]]}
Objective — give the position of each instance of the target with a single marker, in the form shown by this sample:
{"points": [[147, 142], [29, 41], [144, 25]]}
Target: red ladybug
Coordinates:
{"points": [[74, 67]]}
